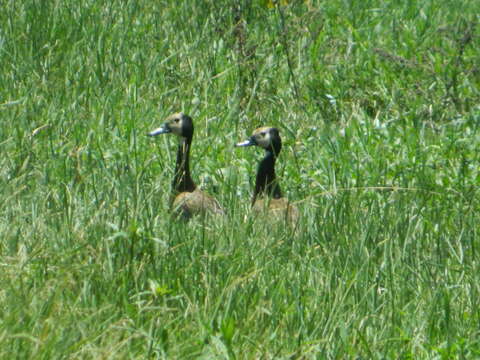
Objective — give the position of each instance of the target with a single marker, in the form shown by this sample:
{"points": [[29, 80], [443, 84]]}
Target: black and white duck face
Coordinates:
{"points": [[178, 124], [265, 137]]}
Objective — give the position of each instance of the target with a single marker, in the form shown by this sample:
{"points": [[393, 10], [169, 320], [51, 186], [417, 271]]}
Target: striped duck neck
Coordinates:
{"points": [[182, 180], [266, 181]]}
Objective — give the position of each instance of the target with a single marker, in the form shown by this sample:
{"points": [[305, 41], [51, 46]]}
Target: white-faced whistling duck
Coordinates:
{"points": [[267, 194], [187, 199]]}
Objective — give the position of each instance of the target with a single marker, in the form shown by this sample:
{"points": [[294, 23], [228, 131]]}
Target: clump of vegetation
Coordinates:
{"points": [[377, 104]]}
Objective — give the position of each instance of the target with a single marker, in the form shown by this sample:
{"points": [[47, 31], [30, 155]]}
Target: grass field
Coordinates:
{"points": [[378, 107]]}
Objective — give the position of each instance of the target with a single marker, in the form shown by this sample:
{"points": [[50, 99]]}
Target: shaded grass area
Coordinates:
{"points": [[377, 104]]}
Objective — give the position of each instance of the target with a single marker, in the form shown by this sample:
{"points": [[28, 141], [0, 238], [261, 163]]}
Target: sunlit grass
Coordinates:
{"points": [[377, 104]]}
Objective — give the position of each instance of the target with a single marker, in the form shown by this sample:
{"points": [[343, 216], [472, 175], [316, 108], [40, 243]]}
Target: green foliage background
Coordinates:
{"points": [[378, 106]]}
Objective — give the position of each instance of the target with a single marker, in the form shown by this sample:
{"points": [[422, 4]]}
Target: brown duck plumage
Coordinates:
{"points": [[187, 199], [267, 195]]}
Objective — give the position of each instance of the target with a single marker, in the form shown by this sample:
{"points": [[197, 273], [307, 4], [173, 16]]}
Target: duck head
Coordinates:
{"points": [[267, 138], [178, 124]]}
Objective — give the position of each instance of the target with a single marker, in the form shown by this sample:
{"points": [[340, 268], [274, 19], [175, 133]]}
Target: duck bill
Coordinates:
{"points": [[161, 130], [249, 142]]}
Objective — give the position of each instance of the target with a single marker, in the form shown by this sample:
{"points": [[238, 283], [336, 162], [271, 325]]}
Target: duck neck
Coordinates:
{"points": [[266, 182], [182, 180]]}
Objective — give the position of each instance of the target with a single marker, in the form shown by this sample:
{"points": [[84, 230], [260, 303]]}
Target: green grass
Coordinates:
{"points": [[378, 106]]}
